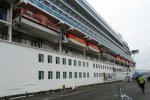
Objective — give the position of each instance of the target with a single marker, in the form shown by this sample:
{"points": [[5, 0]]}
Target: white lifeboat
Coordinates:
{"points": [[75, 42], [92, 48]]}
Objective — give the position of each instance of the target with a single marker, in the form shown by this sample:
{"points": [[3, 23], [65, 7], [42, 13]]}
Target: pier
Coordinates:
{"points": [[107, 91]]}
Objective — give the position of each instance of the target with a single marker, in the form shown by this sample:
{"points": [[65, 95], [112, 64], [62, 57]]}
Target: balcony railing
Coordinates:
{"points": [[78, 22], [52, 10], [98, 19]]}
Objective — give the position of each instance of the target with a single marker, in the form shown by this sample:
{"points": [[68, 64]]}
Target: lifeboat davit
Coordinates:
{"points": [[92, 48], [75, 41]]}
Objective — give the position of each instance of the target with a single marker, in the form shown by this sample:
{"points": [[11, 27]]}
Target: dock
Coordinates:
{"points": [[108, 91]]}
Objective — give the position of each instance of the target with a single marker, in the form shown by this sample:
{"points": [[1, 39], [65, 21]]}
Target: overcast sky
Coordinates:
{"points": [[130, 18]]}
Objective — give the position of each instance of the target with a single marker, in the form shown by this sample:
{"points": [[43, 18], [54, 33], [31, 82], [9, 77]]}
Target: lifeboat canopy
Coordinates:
{"points": [[91, 48], [75, 41]]}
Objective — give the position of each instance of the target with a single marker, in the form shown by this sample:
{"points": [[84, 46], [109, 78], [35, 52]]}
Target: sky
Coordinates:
{"points": [[130, 18]]}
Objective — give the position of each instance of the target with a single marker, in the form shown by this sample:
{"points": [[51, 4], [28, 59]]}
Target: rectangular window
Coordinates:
{"points": [[70, 74], [50, 75], [83, 64], [93, 65], [64, 75], [94, 74], [96, 66], [80, 74], [88, 75], [41, 75], [84, 75], [79, 63], [57, 60], [75, 63], [64, 61], [87, 64], [69, 61], [57, 75], [49, 59], [99, 66], [75, 74], [41, 58], [97, 74]]}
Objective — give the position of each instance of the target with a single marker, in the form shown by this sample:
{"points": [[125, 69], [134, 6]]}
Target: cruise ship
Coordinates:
{"points": [[55, 44]]}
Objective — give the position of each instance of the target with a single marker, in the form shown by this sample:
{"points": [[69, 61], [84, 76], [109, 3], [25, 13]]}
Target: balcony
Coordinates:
{"points": [[58, 14]]}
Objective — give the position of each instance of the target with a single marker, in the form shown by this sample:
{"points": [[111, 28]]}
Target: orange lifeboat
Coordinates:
{"points": [[117, 57], [28, 14], [92, 48], [75, 41]]}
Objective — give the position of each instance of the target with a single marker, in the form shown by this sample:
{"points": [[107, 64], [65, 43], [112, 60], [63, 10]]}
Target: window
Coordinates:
{"points": [[93, 65], [80, 74], [57, 60], [99, 66], [97, 74], [87, 64], [64, 61], [69, 61], [64, 75], [50, 75], [41, 75], [94, 74], [84, 75], [96, 66], [70, 74], [49, 59], [88, 75], [41, 58], [83, 64], [75, 63], [57, 75], [75, 74], [79, 63]]}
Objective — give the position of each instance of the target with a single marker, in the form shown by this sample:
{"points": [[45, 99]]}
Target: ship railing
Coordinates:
{"points": [[85, 22], [50, 48], [92, 28], [83, 29], [56, 13], [77, 22], [45, 46]]}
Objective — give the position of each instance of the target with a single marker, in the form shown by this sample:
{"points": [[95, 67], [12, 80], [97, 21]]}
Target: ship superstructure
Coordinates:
{"points": [[47, 44]]}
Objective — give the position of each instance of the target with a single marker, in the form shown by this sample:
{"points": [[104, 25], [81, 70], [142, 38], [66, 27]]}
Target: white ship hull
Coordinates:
{"points": [[20, 66], [31, 28]]}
